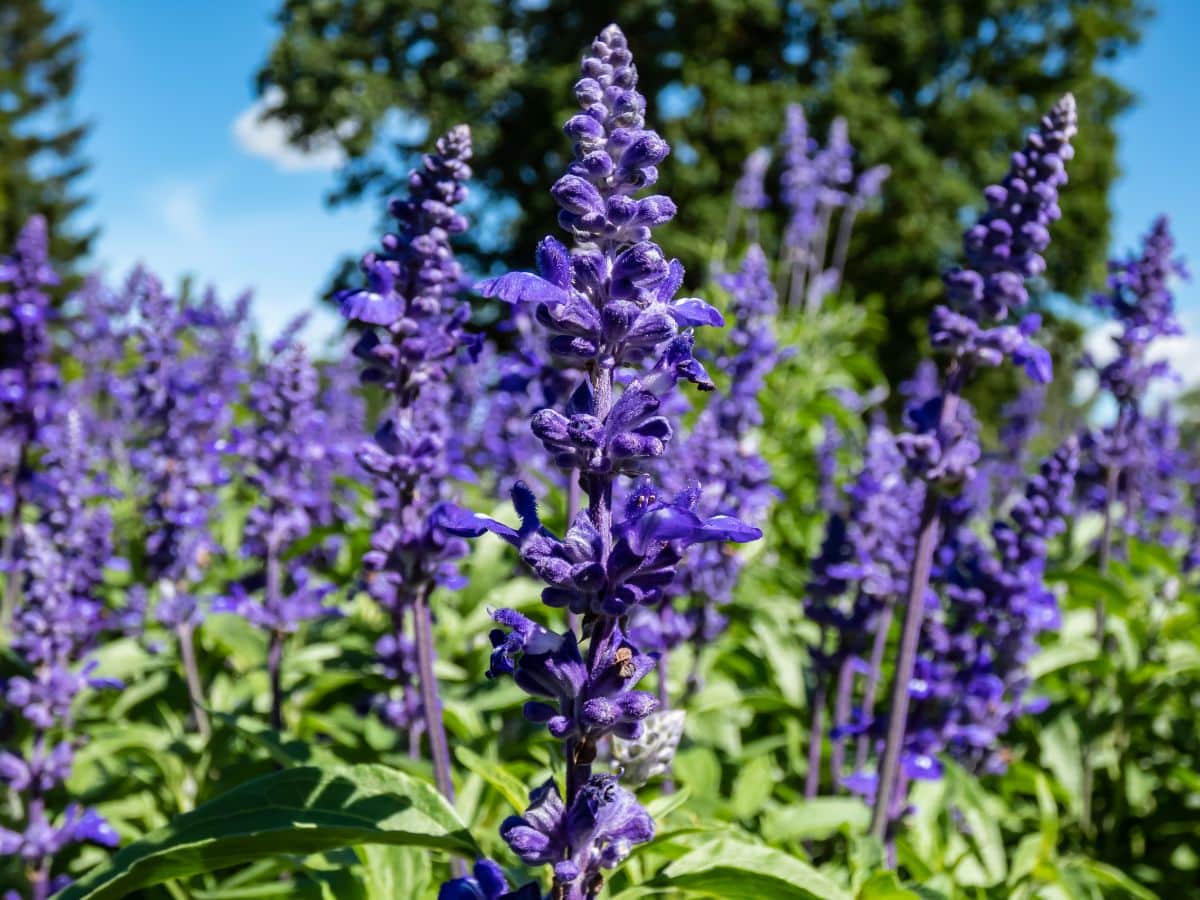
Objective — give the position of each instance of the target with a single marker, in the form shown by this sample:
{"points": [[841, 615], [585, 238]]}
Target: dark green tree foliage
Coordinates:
{"points": [[938, 89], [40, 162]]}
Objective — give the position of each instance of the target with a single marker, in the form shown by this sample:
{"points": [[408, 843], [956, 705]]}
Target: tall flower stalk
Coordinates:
{"points": [[414, 334], [286, 461], [749, 198], [1140, 300], [856, 581], [181, 421], [1003, 249], [1121, 458], [99, 331], [817, 185], [26, 377], [57, 623], [610, 308], [720, 452]]}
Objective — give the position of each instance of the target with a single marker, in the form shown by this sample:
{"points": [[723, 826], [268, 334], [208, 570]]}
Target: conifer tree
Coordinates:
{"points": [[40, 141]]}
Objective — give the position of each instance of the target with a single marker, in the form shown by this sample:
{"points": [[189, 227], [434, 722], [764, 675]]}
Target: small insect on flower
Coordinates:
{"points": [[623, 661]]}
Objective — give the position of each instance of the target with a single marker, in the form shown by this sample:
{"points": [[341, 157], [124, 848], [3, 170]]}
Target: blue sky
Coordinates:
{"points": [[178, 183], [185, 181]]}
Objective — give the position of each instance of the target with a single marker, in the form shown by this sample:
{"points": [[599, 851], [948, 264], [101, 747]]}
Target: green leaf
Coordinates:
{"points": [[1086, 585], [787, 667], [301, 810], [819, 818], [730, 868], [661, 807], [1047, 815], [1063, 655], [752, 788], [700, 770], [283, 749], [983, 830], [395, 871], [1062, 754], [886, 886], [1107, 876], [506, 784]]}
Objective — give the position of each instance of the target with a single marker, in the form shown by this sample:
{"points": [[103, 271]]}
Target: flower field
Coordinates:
{"points": [[602, 578]]}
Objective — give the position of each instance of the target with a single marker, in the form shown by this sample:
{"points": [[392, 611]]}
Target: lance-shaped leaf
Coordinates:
{"points": [[296, 811], [730, 868]]}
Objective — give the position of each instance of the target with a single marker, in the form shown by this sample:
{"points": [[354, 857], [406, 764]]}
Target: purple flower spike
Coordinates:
{"points": [[597, 831], [56, 624], [28, 380], [719, 452], [1004, 249], [1136, 458], [414, 341], [817, 184], [750, 191], [941, 450], [285, 457], [610, 308]]}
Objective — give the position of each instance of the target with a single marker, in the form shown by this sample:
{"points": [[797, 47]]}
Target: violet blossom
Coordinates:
{"points": [[818, 183], [857, 579], [54, 627], [720, 452], [177, 450], [1002, 249], [413, 336], [284, 458], [610, 308], [1131, 460], [28, 380]]}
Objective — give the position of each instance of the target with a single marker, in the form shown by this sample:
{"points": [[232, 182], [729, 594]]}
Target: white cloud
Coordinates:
{"points": [[268, 139], [179, 207], [199, 228]]}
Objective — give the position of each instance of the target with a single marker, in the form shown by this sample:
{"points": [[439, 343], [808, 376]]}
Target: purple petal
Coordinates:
{"points": [[464, 523], [522, 287], [692, 311], [727, 528]]}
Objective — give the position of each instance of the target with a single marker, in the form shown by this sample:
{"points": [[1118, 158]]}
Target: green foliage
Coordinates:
{"points": [[40, 150], [1122, 741], [731, 868], [333, 806], [297, 811], [940, 91]]}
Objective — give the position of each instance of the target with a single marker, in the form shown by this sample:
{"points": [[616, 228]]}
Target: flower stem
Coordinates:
{"points": [[1112, 478], [275, 647], [816, 262], [191, 674], [841, 714], [439, 748], [889, 765], [664, 702], [928, 535], [842, 247], [812, 778], [574, 503], [874, 672], [274, 670]]}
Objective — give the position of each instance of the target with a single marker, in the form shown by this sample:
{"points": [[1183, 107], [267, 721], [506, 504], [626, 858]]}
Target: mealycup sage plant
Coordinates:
{"points": [[609, 306], [1003, 249]]}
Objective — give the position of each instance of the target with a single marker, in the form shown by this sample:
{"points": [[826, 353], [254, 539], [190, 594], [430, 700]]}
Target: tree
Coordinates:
{"points": [[941, 90], [40, 163]]}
